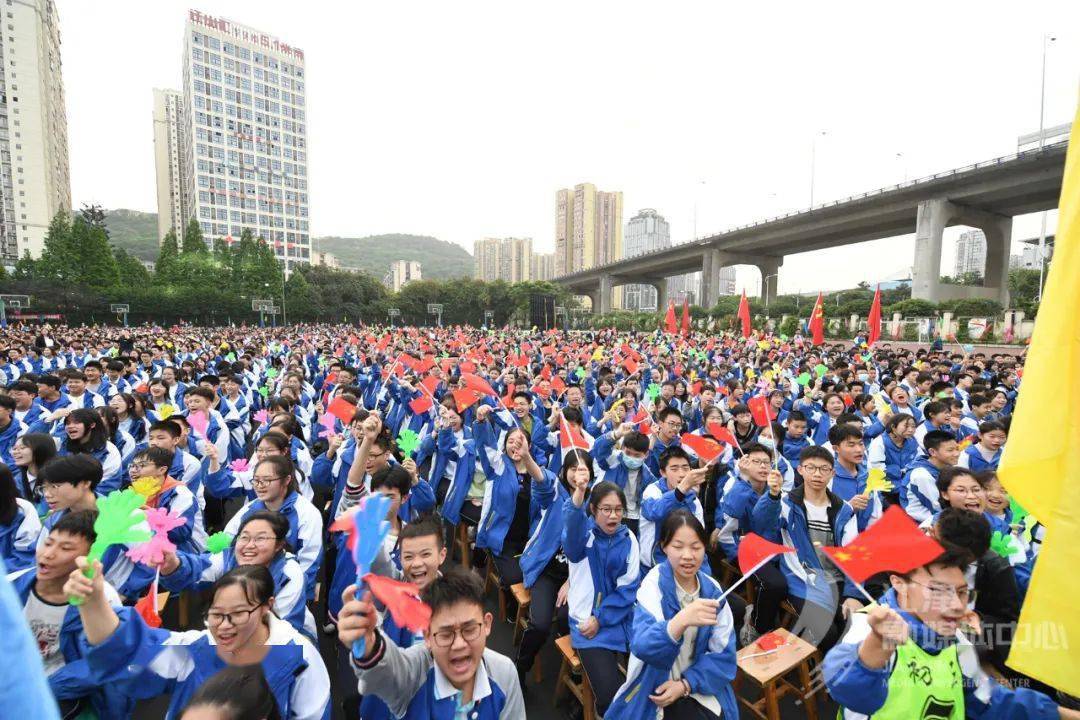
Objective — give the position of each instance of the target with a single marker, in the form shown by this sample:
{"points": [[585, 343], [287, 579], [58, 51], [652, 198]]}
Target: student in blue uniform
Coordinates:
{"points": [[604, 577], [19, 524], [242, 629], [452, 674], [625, 467], [918, 489], [682, 649], [986, 453], [85, 433], [677, 488], [894, 449]]}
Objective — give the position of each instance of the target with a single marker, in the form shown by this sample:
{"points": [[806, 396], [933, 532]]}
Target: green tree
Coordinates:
{"points": [[59, 259], [193, 243], [132, 272], [301, 298], [25, 267], [96, 264], [165, 267], [912, 308]]}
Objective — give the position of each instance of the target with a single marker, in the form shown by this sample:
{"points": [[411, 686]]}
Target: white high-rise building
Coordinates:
{"points": [[970, 253], [402, 272], [244, 129], [508, 259], [169, 152], [34, 178]]}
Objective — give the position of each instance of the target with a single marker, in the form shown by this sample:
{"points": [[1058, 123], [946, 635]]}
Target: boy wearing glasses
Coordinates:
{"points": [[808, 518], [452, 674], [669, 425], [904, 657], [153, 465]]}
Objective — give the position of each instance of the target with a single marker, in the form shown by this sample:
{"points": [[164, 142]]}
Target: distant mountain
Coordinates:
{"points": [[439, 260], [136, 232]]}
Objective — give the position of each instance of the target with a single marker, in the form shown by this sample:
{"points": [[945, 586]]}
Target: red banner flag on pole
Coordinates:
{"points": [[759, 409], [893, 543], [744, 315], [479, 384], [817, 321], [669, 319], [684, 327], [705, 448], [873, 320]]}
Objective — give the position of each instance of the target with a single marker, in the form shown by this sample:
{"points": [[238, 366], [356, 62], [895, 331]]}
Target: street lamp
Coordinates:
{"points": [[1047, 39], [765, 286], [900, 159], [813, 163]]}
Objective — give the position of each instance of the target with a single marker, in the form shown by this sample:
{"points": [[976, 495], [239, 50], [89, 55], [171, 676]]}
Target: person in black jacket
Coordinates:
{"points": [[991, 579]]}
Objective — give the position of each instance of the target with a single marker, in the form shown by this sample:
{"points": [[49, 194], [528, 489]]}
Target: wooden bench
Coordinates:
{"points": [[770, 671], [461, 542], [521, 621], [580, 689], [492, 578]]}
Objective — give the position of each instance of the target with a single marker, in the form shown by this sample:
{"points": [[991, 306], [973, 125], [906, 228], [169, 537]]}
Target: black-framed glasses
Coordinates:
{"points": [[234, 618], [940, 595], [615, 511], [258, 482], [469, 632]]}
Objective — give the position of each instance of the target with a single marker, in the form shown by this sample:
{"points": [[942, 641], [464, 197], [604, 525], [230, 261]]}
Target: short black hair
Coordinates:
{"points": [[72, 470], [934, 407], [672, 452], [816, 452], [78, 522], [23, 386], [452, 587], [635, 440], [7, 402], [392, 477], [935, 438], [753, 447], [159, 456], [205, 393], [50, 380], [990, 426], [796, 416], [967, 529], [424, 527], [168, 425], [666, 413], [946, 476], [842, 431]]}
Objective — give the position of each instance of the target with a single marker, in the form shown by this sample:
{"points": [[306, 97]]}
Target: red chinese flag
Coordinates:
{"points": [[406, 360], [873, 320], [570, 437], [892, 543], [744, 315], [479, 384], [669, 319], [684, 326], [558, 385], [402, 600], [722, 434], [759, 408], [508, 399], [630, 365], [545, 372], [466, 397], [695, 389], [817, 321], [342, 409], [430, 383], [542, 391], [468, 367], [422, 366], [630, 352], [754, 549], [705, 448], [421, 405]]}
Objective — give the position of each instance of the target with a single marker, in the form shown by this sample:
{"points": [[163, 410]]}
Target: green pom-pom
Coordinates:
{"points": [[264, 391], [580, 373], [272, 373], [1003, 544], [653, 391], [218, 542], [408, 441]]}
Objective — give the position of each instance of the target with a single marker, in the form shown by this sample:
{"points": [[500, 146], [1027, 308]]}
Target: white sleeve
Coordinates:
{"points": [[310, 533], [311, 691], [27, 534], [875, 456]]}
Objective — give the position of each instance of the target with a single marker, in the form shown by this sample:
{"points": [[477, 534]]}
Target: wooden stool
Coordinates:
{"points": [[729, 573], [788, 614], [769, 672], [581, 690], [521, 621], [461, 541]]}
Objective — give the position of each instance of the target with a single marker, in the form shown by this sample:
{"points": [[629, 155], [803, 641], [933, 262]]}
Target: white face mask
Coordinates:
{"points": [[766, 442], [632, 463]]}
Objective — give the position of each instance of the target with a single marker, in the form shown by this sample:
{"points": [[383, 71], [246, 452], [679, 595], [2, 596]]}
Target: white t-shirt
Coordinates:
{"points": [[633, 509], [45, 620], [821, 535]]}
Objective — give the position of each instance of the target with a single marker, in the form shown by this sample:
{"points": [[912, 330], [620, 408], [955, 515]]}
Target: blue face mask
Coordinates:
{"points": [[632, 463]]}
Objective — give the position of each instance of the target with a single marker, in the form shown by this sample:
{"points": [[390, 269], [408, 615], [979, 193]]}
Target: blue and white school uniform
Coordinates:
{"points": [[885, 454], [18, 538], [656, 658], [657, 502], [919, 492], [976, 459], [144, 663]]}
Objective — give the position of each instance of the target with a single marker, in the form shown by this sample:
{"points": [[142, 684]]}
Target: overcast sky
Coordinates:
{"points": [[461, 119]]}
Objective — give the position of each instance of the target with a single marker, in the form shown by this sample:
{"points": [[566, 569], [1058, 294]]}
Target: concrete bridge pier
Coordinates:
{"points": [[769, 266], [933, 217]]}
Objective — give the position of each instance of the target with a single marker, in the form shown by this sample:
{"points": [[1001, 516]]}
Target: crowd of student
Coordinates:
{"points": [[577, 464]]}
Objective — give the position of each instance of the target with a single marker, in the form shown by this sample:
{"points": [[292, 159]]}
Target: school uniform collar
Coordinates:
{"points": [[481, 684]]}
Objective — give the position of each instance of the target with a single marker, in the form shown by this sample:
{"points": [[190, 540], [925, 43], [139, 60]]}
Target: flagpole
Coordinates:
{"points": [[746, 576]]}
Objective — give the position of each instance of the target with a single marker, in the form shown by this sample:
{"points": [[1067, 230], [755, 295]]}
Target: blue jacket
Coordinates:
{"points": [[733, 514], [885, 453], [448, 448], [26, 694], [847, 485], [972, 459], [546, 537], [653, 652], [18, 538], [183, 661], [918, 490], [784, 521], [500, 495], [75, 679], [793, 447], [8, 436], [863, 690], [610, 461], [604, 578]]}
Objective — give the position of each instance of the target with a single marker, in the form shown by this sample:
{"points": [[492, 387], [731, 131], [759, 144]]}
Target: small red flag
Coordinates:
{"points": [[754, 549], [430, 383], [150, 605], [759, 408], [669, 319], [402, 600], [744, 315], [558, 385], [894, 543], [468, 367], [722, 434], [464, 397], [705, 448], [630, 365], [570, 437], [479, 384], [873, 320], [342, 409], [641, 419], [421, 405]]}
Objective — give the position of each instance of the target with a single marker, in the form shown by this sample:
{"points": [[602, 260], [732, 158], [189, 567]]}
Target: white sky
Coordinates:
{"points": [[461, 119]]}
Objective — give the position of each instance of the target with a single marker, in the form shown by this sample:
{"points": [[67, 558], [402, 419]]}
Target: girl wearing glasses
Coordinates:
{"points": [[274, 483], [241, 629], [30, 453], [682, 646], [262, 540], [604, 577]]}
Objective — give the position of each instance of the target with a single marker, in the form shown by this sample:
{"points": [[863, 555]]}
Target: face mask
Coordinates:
{"points": [[766, 442], [632, 463], [864, 377]]}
